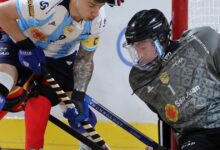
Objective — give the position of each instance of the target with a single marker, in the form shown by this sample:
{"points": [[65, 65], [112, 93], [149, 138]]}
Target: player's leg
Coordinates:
{"points": [[8, 68], [37, 111]]}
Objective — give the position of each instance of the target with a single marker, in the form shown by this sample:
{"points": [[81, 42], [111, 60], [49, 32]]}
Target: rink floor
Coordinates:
{"points": [[12, 136]]}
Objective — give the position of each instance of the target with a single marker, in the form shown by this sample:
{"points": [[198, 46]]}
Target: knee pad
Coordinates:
{"points": [[14, 100], [6, 83]]}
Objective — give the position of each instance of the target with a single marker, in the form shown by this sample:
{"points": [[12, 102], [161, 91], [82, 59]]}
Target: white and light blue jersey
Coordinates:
{"points": [[49, 25]]}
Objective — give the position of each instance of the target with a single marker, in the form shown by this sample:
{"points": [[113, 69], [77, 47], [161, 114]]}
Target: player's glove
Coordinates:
{"points": [[31, 56], [81, 112], [115, 2], [75, 125]]}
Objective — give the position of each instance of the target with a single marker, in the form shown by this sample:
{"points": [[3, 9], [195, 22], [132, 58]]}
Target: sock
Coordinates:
{"points": [[2, 114], [37, 113]]}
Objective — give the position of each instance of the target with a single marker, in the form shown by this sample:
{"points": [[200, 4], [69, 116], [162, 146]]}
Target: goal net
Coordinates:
{"points": [[195, 13], [203, 13]]}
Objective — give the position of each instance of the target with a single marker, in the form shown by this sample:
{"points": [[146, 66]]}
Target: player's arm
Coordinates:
{"points": [[8, 16], [83, 69]]}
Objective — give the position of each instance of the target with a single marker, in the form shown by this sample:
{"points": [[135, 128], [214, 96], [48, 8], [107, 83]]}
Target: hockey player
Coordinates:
{"points": [[49, 33], [178, 80]]}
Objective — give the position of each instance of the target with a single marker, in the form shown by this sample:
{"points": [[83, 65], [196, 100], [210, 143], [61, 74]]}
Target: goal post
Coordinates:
{"points": [[179, 17]]}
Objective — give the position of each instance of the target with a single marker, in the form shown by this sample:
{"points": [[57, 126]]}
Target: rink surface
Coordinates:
{"points": [[12, 136]]}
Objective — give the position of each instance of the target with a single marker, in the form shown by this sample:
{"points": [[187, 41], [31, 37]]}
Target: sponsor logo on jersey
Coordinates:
{"points": [[3, 51], [52, 7], [53, 23], [43, 5], [69, 63], [149, 89], [171, 112], [187, 95], [31, 8], [188, 144], [177, 61], [68, 30], [164, 78], [61, 37], [102, 23], [37, 34]]}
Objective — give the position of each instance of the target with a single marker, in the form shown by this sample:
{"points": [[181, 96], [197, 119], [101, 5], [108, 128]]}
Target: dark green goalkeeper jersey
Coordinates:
{"points": [[185, 90]]}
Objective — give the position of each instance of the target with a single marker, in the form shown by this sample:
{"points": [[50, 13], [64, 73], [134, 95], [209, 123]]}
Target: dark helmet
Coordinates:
{"points": [[147, 24], [111, 2]]}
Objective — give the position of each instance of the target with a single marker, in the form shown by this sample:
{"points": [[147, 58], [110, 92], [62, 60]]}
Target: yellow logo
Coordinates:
{"points": [[164, 78], [171, 112], [91, 42], [67, 30], [31, 8]]}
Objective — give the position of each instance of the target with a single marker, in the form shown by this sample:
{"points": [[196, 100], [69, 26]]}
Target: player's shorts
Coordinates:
{"points": [[205, 139], [61, 69]]}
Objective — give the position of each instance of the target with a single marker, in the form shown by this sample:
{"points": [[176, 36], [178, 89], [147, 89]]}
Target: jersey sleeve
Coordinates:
{"points": [[211, 40], [97, 27], [215, 62]]}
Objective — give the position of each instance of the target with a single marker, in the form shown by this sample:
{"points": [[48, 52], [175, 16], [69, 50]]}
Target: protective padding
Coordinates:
{"points": [[37, 113]]}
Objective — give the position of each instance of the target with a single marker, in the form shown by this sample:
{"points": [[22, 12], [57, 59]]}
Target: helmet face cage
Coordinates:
{"points": [[148, 24], [144, 56]]}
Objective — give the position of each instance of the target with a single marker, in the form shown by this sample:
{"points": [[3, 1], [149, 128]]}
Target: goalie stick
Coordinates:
{"points": [[123, 124]]}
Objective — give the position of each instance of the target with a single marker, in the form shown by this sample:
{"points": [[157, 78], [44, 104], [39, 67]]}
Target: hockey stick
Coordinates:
{"points": [[74, 133], [28, 86], [65, 104], [123, 124]]}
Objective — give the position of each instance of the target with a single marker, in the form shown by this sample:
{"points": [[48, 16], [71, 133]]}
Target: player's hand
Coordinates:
{"points": [[77, 126], [78, 114], [81, 112], [31, 56]]}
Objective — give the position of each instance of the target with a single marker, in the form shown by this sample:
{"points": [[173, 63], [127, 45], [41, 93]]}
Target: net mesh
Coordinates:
{"points": [[204, 13]]}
